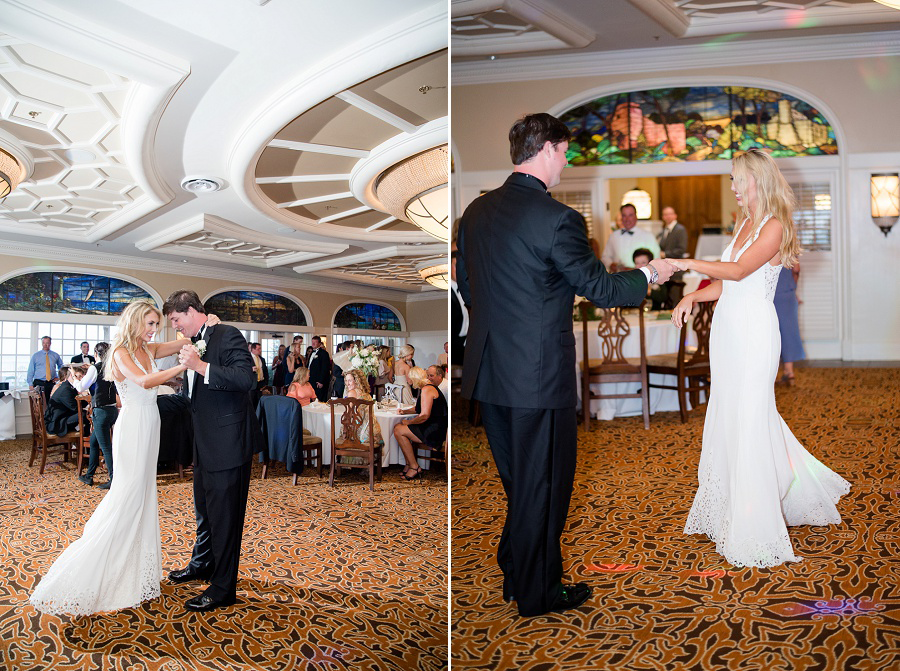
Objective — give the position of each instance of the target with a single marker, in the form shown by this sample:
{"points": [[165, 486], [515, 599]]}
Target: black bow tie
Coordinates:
{"points": [[197, 337], [629, 232]]}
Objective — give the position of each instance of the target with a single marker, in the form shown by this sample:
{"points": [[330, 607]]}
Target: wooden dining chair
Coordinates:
{"points": [[393, 392], [690, 367], [85, 429], [613, 366], [310, 452], [431, 454], [44, 443], [345, 440]]}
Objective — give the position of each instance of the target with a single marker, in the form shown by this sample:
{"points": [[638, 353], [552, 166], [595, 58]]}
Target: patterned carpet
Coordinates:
{"points": [[668, 602], [330, 578]]}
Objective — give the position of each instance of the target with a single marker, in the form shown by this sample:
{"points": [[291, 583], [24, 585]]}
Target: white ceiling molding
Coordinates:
{"points": [[101, 260], [400, 272], [318, 148], [209, 237], [378, 112], [720, 17], [629, 61], [477, 27], [374, 255], [415, 35], [291, 179], [83, 103], [430, 296]]}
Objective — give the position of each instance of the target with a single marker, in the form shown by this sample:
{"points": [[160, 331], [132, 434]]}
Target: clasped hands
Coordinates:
{"points": [[189, 357], [665, 268]]}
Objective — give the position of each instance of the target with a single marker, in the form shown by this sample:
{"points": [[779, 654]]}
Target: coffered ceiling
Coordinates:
{"points": [[523, 28], [292, 108]]}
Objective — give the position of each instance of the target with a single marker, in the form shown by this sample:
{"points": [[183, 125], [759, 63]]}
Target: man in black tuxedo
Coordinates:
{"points": [[260, 371], [226, 434], [319, 369], [459, 315], [85, 356], [522, 258]]}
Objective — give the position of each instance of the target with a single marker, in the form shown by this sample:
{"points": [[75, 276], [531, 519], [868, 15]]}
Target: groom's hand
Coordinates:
{"points": [[664, 268], [190, 357]]}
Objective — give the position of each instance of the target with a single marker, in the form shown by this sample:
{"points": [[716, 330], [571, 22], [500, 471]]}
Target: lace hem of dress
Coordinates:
{"points": [[74, 601], [709, 516]]}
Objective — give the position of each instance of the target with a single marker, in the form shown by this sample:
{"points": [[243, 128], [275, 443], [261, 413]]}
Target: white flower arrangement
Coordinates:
{"points": [[201, 347], [364, 360]]}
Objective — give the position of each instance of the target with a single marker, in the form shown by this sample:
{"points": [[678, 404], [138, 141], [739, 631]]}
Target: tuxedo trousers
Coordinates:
{"points": [[220, 503], [535, 451]]}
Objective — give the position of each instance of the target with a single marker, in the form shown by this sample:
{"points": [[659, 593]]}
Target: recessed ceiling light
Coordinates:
{"points": [[79, 155], [201, 184]]}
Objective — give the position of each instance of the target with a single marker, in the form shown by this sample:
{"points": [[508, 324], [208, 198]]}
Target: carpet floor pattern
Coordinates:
{"points": [[666, 601], [337, 578]]}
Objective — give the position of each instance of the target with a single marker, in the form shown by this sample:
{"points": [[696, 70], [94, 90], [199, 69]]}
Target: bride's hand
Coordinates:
{"points": [[681, 264], [212, 320], [682, 310]]}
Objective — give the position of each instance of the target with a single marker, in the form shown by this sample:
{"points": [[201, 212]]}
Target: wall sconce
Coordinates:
{"points": [[885, 189]]}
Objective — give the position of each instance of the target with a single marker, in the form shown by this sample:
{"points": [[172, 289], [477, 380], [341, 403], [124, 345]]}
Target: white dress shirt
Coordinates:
{"points": [[622, 244]]}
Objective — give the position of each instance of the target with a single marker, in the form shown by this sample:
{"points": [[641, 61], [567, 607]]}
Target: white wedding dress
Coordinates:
{"points": [[756, 479], [117, 562]]}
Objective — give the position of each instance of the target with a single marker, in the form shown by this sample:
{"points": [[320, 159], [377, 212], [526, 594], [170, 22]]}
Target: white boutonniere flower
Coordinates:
{"points": [[201, 347]]}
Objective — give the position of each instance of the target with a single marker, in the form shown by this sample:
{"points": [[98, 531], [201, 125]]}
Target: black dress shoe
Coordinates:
{"points": [[203, 603], [507, 592], [187, 575], [571, 596], [105, 485], [89, 481]]}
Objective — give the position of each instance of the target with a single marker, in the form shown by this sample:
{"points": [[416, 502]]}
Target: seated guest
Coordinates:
{"points": [[656, 293], [356, 386], [429, 428], [436, 377], [61, 415], [300, 388]]}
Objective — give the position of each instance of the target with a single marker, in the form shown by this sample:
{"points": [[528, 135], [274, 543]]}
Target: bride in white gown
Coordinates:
{"points": [[117, 562], [755, 478]]}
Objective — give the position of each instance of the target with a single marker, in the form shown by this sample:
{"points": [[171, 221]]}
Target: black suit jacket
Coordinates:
{"points": [[674, 245], [522, 258], [83, 358], [226, 431], [320, 368]]}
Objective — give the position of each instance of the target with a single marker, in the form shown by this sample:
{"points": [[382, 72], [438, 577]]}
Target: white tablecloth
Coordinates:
{"points": [[317, 419], [661, 338]]}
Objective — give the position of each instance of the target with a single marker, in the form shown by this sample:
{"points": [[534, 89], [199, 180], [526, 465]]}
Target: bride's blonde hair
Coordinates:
{"points": [[130, 327], [773, 196]]}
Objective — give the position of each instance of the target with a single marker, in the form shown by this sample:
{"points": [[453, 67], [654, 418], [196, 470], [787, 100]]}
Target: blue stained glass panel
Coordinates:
{"points": [[69, 293], [367, 316]]}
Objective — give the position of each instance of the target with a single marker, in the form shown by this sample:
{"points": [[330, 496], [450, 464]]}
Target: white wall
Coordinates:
{"points": [[429, 345]]}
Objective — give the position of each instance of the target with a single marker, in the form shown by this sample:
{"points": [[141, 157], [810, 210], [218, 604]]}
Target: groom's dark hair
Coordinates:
{"points": [[528, 135], [181, 300]]}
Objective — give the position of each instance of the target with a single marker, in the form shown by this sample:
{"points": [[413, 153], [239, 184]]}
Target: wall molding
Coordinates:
{"points": [[682, 57], [103, 260]]}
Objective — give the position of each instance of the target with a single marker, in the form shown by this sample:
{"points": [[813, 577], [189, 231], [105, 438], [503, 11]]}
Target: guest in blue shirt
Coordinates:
{"points": [[43, 369]]}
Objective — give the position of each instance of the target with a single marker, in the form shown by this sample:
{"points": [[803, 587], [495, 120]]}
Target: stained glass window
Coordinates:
{"points": [[367, 316], [695, 124], [72, 293], [255, 307]]}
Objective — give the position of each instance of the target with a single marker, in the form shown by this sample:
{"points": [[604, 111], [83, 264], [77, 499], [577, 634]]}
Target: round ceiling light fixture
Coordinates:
{"points": [[436, 273], [201, 184], [415, 190], [15, 164]]}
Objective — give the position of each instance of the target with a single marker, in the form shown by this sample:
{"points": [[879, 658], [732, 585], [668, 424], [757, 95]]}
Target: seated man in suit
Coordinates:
{"points": [[673, 242]]}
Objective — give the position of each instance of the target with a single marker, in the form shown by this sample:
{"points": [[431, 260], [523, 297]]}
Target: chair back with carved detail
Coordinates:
{"points": [[689, 366], [43, 442], [613, 366], [346, 429]]}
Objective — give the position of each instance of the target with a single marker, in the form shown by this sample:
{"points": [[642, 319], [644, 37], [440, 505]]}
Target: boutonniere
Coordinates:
{"points": [[201, 347]]}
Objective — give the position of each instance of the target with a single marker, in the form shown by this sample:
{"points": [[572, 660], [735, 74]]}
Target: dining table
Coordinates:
{"points": [[661, 337], [317, 419]]}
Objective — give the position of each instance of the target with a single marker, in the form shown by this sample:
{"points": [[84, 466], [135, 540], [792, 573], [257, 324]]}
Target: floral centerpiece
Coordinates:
{"points": [[364, 359]]}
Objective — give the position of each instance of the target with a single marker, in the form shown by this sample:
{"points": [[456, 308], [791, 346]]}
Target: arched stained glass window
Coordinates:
{"points": [[367, 316], [71, 293], [255, 307], [697, 123]]}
